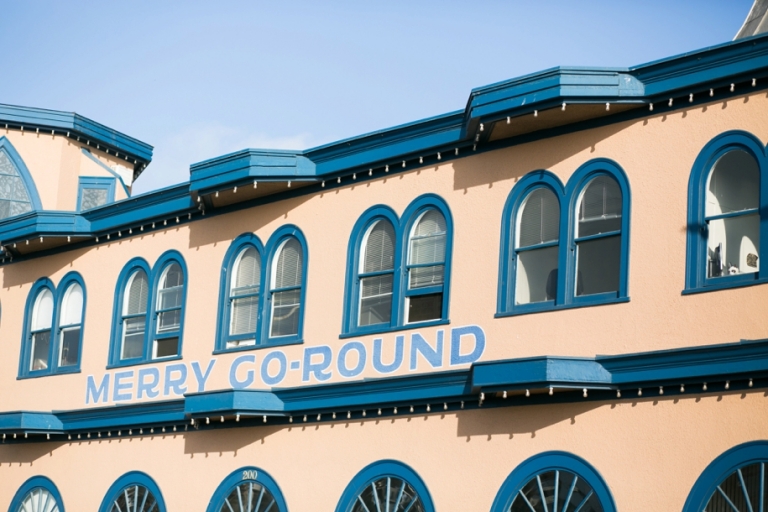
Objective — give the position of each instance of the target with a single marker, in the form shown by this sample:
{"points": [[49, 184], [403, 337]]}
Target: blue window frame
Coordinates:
{"points": [[54, 319], [398, 269], [262, 291], [565, 246], [148, 317], [134, 491], [734, 481], [248, 489], [727, 226], [95, 191], [386, 485], [38, 494], [559, 478]]}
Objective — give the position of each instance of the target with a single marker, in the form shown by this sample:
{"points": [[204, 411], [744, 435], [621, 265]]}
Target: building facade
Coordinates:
{"points": [[551, 300]]}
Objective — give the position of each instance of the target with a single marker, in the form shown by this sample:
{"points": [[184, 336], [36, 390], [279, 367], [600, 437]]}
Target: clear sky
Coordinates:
{"points": [[198, 79]]}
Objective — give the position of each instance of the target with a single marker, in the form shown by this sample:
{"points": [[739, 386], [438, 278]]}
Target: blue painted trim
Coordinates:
{"points": [[26, 338], [116, 337], [552, 461], [383, 469], [129, 479], [237, 477], [696, 238], [722, 467], [26, 176], [94, 182], [34, 483], [238, 245], [274, 243], [107, 168]]}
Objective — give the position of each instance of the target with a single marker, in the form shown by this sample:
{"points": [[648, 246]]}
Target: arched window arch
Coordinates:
{"points": [[18, 193], [386, 485], [736, 481], [38, 494], [398, 270], [248, 489], [70, 313], [134, 491], [149, 310], [554, 481], [726, 193], [565, 246]]}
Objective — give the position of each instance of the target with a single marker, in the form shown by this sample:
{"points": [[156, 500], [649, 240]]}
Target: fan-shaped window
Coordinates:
{"points": [[386, 485], [14, 197], [598, 237], [70, 326], [168, 311], [426, 267], [135, 315], [743, 490], [135, 498], [388, 493], [538, 234], [42, 319], [245, 285], [556, 490], [247, 489], [38, 494], [731, 214], [286, 289], [249, 497], [376, 274]]}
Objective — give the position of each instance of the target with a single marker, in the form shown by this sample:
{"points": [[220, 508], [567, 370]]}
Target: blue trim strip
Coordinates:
{"points": [[109, 170], [34, 483]]}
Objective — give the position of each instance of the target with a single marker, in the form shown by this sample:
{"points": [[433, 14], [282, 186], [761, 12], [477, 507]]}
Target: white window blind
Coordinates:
{"points": [[379, 248], [42, 313], [244, 291], [288, 267], [136, 293], [427, 245], [72, 306], [539, 220]]}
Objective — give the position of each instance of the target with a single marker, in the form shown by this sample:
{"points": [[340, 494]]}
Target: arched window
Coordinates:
{"points": [[426, 267], [134, 317], [247, 490], [565, 246], [376, 274], [724, 219], [554, 481], [40, 330], [285, 294], [386, 485], [134, 492], [536, 247], [18, 194], [168, 312], [244, 288], [38, 494], [70, 326]]}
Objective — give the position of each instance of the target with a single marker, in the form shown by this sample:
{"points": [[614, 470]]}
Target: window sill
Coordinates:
{"points": [[141, 362], [388, 329], [725, 285], [583, 303], [271, 344], [48, 374]]}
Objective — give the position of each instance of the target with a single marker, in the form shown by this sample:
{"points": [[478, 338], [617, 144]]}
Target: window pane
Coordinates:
{"points": [[287, 271], [734, 184], [421, 277], [542, 496], [169, 321], [93, 197], [597, 263], [72, 306], [247, 273], [732, 245], [285, 313], [539, 219], [599, 207], [70, 346], [425, 307], [172, 283], [388, 493], [42, 312], [428, 239], [536, 277], [133, 337], [135, 498], [249, 497], [39, 500], [243, 315], [379, 248], [732, 488], [137, 293], [14, 198], [376, 299], [41, 342], [167, 347]]}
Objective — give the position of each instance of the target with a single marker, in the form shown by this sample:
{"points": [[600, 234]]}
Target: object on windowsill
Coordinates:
{"points": [[732, 270], [752, 260]]}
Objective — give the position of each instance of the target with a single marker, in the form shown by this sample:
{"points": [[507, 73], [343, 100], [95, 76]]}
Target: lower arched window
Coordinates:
{"points": [[133, 492], [38, 494], [247, 490], [386, 485], [554, 481]]}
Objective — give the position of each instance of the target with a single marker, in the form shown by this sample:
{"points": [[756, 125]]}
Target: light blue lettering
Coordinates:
{"points": [[342, 361], [148, 387], [99, 394], [249, 375], [378, 365], [434, 356], [120, 386], [201, 377], [178, 385], [471, 330], [317, 368], [277, 379]]}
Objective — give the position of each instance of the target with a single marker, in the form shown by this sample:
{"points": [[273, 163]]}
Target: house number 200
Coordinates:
{"points": [[250, 474]]}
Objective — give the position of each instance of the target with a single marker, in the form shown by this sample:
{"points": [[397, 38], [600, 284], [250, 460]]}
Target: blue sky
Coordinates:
{"points": [[201, 79]]}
